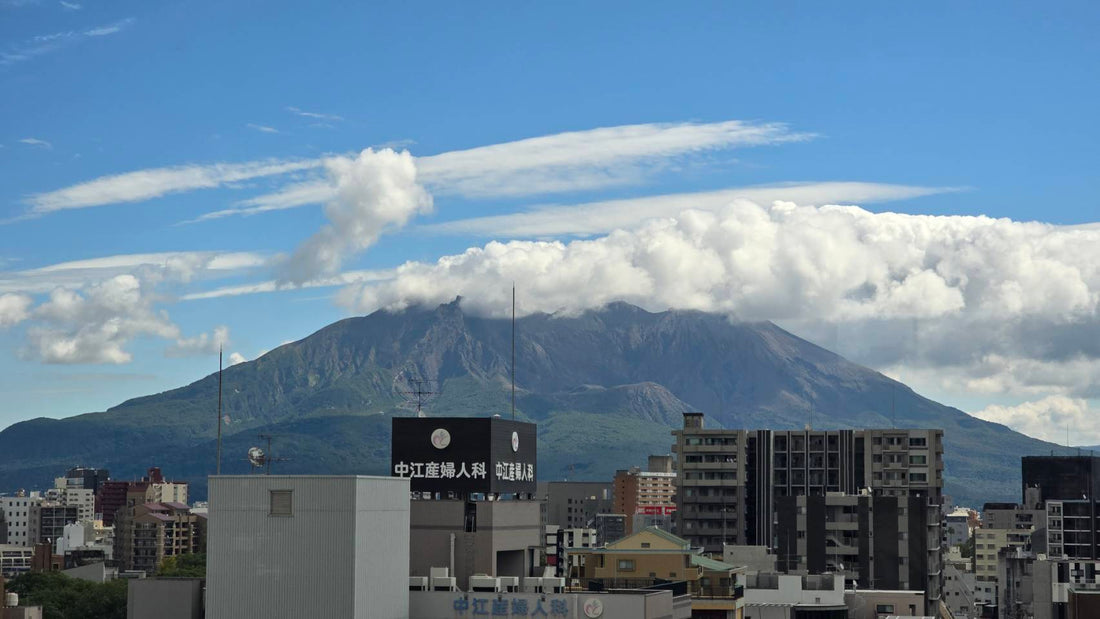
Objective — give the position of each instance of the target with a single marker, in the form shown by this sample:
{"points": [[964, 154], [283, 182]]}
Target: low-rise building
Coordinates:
{"points": [[15, 559], [782, 596], [656, 556]]}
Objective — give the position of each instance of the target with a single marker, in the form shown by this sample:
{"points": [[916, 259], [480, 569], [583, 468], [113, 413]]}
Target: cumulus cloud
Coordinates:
{"points": [[94, 325], [999, 305], [1055, 418], [13, 309], [374, 191], [202, 344], [236, 358]]}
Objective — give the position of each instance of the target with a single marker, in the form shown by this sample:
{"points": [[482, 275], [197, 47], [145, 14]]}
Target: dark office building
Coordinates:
{"points": [[1068, 488], [1064, 478], [89, 478]]}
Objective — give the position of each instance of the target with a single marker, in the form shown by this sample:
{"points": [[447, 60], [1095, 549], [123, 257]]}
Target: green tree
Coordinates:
{"points": [[62, 597], [183, 566]]}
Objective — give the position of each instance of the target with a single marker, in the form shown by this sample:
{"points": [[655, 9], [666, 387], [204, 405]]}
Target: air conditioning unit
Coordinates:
{"points": [[446, 583], [418, 583], [532, 584], [509, 584], [553, 585], [483, 583]]}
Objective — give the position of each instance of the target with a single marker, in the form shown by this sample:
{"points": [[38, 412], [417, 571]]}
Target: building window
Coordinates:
{"points": [[885, 608], [626, 565], [282, 503], [645, 544]]}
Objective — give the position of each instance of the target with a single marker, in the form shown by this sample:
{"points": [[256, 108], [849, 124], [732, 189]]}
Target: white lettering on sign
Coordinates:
{"points": [[440, 470], [514, 471]]}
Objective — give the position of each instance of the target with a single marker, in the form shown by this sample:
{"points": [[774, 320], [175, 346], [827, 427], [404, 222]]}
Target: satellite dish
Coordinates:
{"points": [[256, 457]]}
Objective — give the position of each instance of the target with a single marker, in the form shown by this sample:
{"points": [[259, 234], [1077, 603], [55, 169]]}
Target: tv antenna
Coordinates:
{"points": [[418, 389], [260, 459]]}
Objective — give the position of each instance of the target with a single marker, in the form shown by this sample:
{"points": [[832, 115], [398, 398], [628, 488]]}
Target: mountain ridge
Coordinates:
{"points": [[605, 386]]}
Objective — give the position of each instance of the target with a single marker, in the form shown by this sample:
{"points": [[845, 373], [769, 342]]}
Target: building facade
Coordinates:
{"points": [[152, 488], [147, 534], [747, 487], [15, 514], [342, 539], [48, 520], [574, 504], [646, 498]]}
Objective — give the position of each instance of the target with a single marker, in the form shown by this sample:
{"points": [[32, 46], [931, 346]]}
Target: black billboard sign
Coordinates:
{"points": [[464, 454]]}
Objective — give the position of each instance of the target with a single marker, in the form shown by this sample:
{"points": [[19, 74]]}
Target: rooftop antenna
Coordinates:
{"points": [[513, 351], [259, 458], [218, 467], [419, 392]]}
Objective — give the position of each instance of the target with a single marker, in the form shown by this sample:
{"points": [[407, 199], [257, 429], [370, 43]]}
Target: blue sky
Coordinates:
{"points": [[934, 110]]}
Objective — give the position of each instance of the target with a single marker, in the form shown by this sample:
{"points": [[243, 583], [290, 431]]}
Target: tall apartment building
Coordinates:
{"points": [[808, 494], [646, 498], [148, 533], [15, 514]]}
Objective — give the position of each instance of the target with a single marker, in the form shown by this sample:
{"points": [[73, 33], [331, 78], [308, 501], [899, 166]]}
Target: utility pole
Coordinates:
{"points": [[218, 467]]}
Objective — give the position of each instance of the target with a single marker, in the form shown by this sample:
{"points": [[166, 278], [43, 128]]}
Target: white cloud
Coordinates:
{"points": [[603, 217], [157, 182], [72, 6], [36, 142], [262, 128], [13, 309], [374, 191], [94, 325], [33, 47], [340, 279], [993, 305], [315, 115], [109, 29], [236, 358], [172, 266], [587, 159], [202, 344], [1053, 418], [563, 162]]}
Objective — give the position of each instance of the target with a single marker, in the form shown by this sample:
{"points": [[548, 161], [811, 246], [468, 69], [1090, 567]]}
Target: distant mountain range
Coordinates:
{"points": [[605, 387]]}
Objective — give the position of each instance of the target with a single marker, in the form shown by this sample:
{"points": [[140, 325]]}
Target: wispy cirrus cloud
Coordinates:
{"points": [[182, 266], [564, 162], [156, 182], [33, 47], [36, 142], [262, 128], [605, 216], [72, 6], [314, 115]]}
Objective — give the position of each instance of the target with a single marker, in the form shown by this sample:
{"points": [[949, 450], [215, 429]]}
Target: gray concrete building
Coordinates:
{"points": [[625, 604], [574, 504], [164, 598], [308, 546], [497, 538]]}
